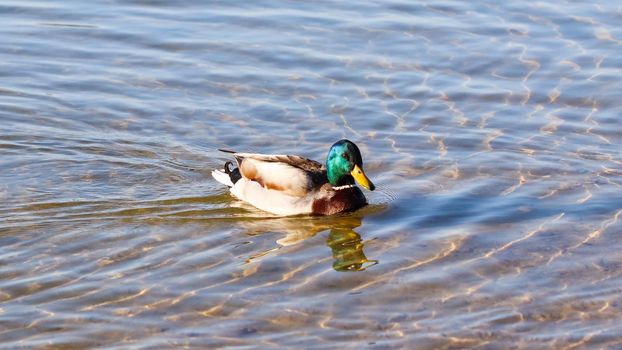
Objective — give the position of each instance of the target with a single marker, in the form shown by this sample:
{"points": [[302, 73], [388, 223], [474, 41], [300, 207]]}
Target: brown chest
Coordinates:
{"points": [[334, 202]]}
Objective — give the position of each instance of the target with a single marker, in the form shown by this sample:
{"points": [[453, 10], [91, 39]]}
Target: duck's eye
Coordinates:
{"points": [[346, 156]]}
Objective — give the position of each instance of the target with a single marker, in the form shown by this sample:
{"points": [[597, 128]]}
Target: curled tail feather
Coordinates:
{"points": [[227, 176]]}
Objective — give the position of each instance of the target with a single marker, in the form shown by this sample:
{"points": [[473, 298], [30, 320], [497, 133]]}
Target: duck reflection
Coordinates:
{"points": [[348, 251], [346, 245]]}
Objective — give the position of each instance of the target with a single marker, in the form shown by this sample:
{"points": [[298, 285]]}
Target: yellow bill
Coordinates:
{"points": [[360, 177]]}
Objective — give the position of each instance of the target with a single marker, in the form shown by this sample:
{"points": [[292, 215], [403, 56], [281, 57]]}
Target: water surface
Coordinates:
{"points": [[491, 130]]}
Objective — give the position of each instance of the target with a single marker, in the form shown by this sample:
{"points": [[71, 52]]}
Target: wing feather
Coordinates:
{"points": [[292, 175]]}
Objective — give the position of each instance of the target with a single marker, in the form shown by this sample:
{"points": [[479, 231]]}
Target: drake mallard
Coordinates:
{"points": [[292, 185]]}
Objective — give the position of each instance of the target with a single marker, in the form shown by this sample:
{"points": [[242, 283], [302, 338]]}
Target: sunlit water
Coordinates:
{"points": [[492, 131]]}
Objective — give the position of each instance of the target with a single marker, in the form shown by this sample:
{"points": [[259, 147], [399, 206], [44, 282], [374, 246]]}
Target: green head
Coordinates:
{"points": [[344, 165]]}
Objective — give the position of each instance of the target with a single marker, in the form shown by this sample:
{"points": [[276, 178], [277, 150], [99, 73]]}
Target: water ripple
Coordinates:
{"points": [[491, 130]]}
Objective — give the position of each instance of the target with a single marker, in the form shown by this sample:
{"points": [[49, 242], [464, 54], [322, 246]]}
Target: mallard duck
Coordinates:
{"points": [[292, 185]]}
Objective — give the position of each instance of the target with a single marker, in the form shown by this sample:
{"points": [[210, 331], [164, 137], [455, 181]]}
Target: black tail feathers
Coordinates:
{"points": [[234, 174]]}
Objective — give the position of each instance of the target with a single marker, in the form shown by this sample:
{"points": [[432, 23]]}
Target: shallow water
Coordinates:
{"points": [[491, 131]]}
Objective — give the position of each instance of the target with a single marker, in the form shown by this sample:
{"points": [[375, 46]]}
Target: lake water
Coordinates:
{"points": [[491, 129]]}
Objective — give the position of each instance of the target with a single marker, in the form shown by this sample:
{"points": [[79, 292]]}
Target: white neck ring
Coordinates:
{"points": [[343, 187]]}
